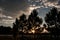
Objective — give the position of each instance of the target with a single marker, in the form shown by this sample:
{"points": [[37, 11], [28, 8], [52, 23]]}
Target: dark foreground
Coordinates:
{"points": [[31, 37]]}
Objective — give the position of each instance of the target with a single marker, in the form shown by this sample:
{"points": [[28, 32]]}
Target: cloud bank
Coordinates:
{"points": [[10, 9]]}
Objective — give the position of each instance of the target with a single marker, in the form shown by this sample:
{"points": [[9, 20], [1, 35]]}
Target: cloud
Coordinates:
{"points": [[52, 0], [10, 9], [45, 3], [15, 8], [4, 16], [6, 22]]}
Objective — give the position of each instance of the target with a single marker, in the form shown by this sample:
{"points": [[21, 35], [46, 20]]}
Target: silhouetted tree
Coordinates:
{"points": [[5, 30], [58, 22], [44, 25], [19, 23], [58, 18], [22, 21], [34, 20], [38, 21], [52, 19], [15, 29]]}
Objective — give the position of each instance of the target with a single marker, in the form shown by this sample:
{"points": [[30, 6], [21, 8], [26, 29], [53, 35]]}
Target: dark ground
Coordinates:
{"points": [[31, 37]]}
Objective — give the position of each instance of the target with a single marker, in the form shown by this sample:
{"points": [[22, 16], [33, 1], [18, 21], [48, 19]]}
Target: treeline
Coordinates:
{"points": [[52, 20], [25, 25], [5, 30]]}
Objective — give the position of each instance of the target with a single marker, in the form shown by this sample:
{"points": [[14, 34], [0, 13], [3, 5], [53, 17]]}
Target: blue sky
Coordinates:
{"points": [[10, 9]]}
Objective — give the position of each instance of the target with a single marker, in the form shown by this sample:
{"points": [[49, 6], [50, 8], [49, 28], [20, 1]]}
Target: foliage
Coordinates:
{"points": [[27, 24], [34, 20], [53, 20]]}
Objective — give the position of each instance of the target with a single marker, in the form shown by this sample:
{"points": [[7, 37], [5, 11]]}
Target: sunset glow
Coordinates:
{"points": [[44, 31], [33, 31]]}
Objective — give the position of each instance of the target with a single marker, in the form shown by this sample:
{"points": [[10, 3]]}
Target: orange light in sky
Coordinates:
{"points": [[33, 31]]}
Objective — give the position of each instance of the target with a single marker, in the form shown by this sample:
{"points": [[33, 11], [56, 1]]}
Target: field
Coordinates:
{"points": [[31, 37]]}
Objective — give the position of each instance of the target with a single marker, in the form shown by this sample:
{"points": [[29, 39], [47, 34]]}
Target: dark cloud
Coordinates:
{"points": [[52, 0], [12, 7], [59, 2], [9, 9]]}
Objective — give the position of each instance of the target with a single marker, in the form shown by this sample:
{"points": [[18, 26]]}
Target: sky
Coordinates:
{"points": [[11, 9]]}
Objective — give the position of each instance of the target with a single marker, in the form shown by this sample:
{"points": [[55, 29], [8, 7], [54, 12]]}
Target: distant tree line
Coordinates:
{"points": [[5, 30]]}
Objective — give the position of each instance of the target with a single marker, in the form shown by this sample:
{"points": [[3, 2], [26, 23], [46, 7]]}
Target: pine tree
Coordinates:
{"points": [[34, 20], [22, 21], [15, 29], [52, 19]]}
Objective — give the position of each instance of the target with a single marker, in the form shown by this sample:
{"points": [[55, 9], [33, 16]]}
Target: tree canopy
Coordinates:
{"points": [[53, 20], [33, 21]]}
